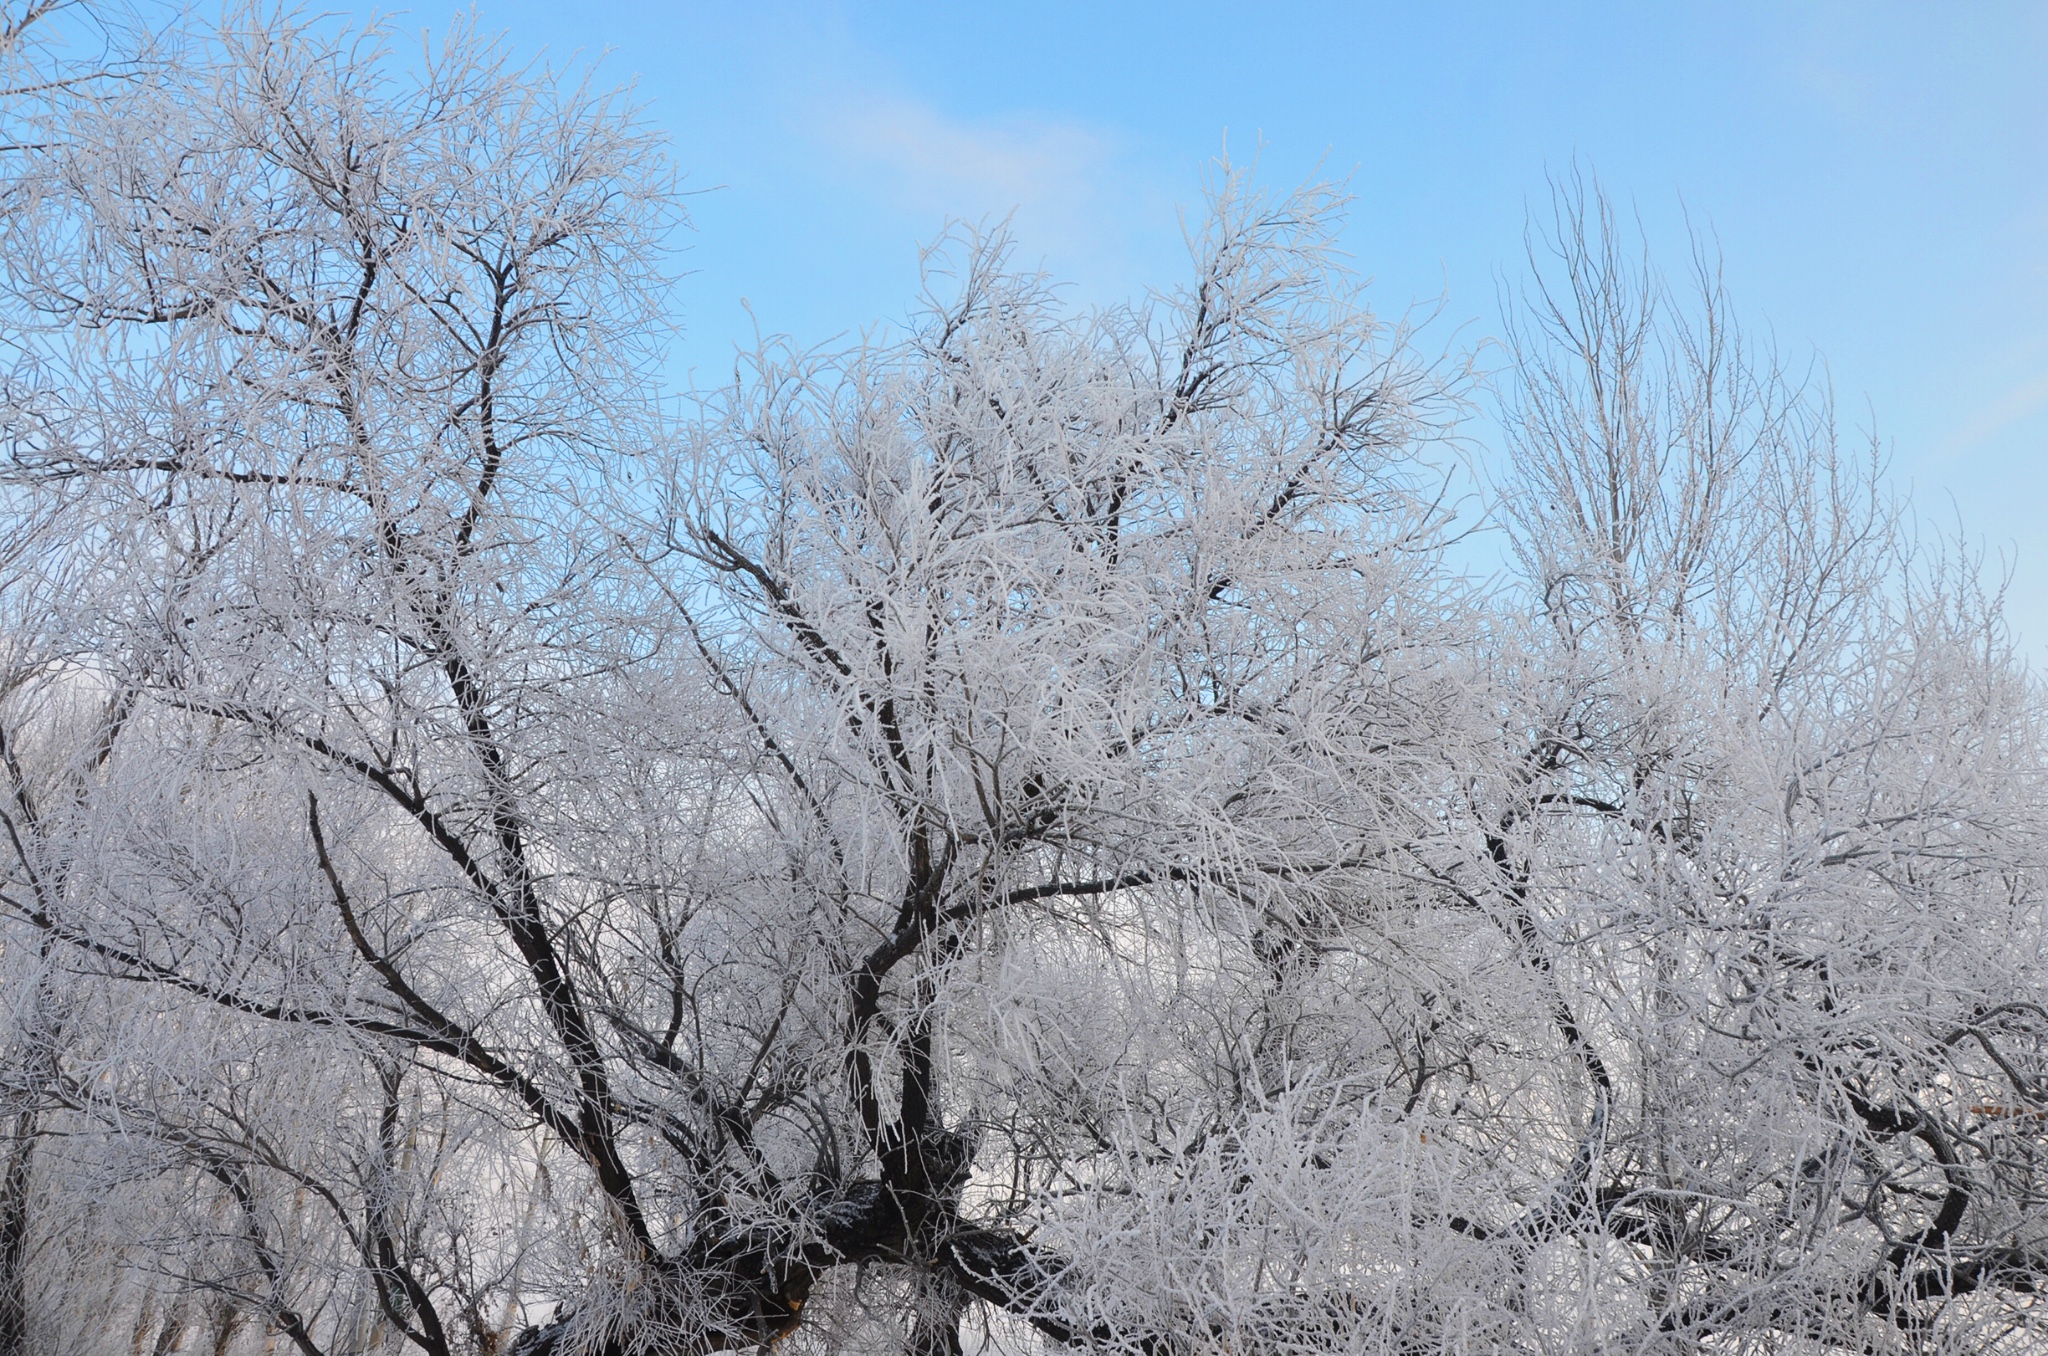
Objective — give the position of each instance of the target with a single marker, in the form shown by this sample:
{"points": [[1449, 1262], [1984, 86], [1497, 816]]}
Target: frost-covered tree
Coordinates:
{"points": [[1771, 832], [1012, 831]]}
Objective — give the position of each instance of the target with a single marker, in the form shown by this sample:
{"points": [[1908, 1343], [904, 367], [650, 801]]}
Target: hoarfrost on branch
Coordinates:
{"points": [[1014, 832]]}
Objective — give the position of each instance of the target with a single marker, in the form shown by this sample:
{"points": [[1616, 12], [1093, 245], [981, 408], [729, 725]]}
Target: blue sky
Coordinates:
{"points": [[1877, 175]]}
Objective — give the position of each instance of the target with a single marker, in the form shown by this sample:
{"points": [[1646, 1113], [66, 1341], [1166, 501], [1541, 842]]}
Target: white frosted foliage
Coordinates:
{"points": [[1010, 832]]}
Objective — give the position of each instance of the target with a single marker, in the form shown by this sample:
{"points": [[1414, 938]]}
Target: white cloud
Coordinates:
{"points": [[1071, 190], [940, 162]]}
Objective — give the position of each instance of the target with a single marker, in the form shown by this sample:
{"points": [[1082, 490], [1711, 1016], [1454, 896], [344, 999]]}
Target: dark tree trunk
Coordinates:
{"points": [[14, 1189]]}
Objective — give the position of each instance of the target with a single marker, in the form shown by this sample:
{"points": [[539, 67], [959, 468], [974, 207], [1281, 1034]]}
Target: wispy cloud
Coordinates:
{"points": [[2017, 404], [934, 162], [1072, 190]]}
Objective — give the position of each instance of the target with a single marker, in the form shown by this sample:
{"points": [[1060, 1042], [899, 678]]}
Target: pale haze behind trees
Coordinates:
{"points": [[1015, 835]]}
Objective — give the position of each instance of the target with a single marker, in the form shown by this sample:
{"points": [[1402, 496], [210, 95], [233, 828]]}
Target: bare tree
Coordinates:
{"points": [[1761, 833], [55, 56], [265, 296], [534, 864]]}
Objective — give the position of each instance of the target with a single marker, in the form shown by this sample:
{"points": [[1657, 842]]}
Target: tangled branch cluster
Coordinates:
{"points": [[1018, 833]]}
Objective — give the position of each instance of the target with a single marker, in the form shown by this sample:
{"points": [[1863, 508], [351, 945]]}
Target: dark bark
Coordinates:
{"points": [[749, 1288], [14, 1190]]}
